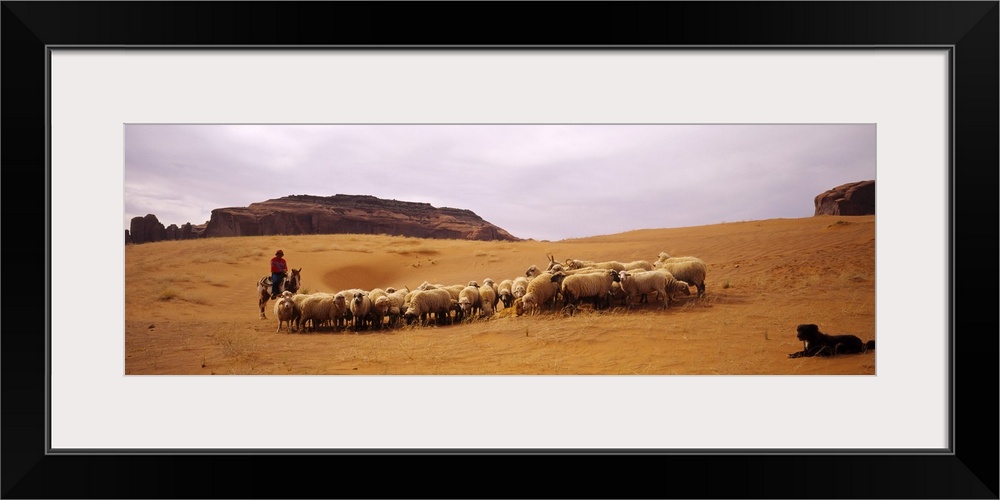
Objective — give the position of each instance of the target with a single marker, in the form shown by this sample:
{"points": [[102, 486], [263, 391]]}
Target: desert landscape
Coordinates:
{"points": [[191, 305]]}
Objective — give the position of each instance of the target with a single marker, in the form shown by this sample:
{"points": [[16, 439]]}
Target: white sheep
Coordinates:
{"points": [[380, 310], [689, 269], [578, 264], [285, 311], [665, 257], [453, 290], [469, 300], [425, 302], [314, 308], [339, 311], [488, 282], [487, 299], [596, 286], [396, 300], [660, 282], [361, 310], [375, 293], [348, 317], [540, 291], [380, 305], [582, 270]]}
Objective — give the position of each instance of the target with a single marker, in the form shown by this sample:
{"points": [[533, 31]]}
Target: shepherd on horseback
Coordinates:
{"points": [[270, 287]]}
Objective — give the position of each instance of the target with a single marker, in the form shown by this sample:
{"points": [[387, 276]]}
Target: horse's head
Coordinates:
{"points": [[292, 282]]}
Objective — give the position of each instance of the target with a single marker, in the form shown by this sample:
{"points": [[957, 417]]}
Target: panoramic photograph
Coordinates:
{"points": [[500, 249]]}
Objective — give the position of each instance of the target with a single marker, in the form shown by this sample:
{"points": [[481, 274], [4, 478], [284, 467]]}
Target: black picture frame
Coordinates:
{"points": [[970, 29]]}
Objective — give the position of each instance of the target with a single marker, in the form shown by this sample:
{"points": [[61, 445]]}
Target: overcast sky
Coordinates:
{"points": [[547, 182]]}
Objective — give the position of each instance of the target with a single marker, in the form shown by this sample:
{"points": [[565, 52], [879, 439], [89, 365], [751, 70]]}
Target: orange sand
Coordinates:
{"points": [[191, 306]]}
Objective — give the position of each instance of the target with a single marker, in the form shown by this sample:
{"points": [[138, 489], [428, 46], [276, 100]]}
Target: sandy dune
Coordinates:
{"points": [[191, 307]]}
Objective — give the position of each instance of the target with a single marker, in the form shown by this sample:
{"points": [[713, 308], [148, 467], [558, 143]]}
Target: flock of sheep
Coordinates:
{"points": [[563, 285]]}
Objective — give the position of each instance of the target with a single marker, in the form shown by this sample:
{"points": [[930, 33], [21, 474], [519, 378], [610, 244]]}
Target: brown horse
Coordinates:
{"points": [[290, 283]]}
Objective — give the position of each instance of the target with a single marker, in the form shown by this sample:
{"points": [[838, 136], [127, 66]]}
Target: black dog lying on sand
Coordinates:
{"points": [[818, 343]]}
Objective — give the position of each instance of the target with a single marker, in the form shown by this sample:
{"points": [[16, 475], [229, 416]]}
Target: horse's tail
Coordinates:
{"points": [[870, 345]]}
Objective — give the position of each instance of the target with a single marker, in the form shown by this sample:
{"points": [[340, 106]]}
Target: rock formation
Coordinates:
{"points": [[855, 198], [339, 214], [149, 229]]}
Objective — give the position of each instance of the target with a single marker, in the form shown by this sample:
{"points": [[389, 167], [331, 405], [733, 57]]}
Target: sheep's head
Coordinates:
{"points": [[684, 287], [410, 315], [519, 307], [474, 284], [532, 272], [528, 303], [359, 298], [558, 277], [616, 276], [552, 262]]}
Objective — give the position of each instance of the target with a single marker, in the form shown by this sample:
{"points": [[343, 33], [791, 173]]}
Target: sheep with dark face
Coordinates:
{"points": [[505, 293]]}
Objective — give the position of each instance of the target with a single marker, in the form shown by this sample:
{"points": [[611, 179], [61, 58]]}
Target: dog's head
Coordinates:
{"points": [[807, 332]]}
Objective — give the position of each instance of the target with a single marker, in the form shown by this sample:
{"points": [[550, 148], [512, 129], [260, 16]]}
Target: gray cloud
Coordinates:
{"points": [[536, 181]]}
